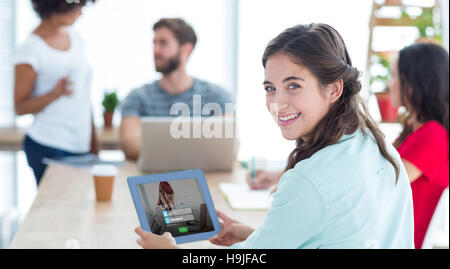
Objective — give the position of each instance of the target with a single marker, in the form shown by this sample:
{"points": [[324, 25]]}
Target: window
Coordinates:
{"points": [[118, 38], [7, 43]]}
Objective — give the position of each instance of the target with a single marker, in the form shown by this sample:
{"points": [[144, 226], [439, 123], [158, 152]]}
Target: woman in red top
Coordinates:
{"points": [[419, 82]]}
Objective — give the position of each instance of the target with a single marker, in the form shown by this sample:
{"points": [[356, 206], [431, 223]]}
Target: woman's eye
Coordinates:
{"points": [[293, 86], [269, 89]]}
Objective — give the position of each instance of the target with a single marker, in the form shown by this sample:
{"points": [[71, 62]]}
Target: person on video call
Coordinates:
{"points": [[174, 41], [166, 196], [52, 82]]}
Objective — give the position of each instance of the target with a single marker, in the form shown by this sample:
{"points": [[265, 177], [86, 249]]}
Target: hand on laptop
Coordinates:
{"points": [[153, 241], [263, 179], [232, 231]]}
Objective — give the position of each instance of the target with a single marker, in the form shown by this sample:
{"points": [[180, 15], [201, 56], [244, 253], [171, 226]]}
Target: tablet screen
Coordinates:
{"points": [[175, 206]]}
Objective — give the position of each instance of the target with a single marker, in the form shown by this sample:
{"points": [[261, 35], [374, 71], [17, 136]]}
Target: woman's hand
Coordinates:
{"points": [[263, 179], [153, 241], [62, 88], [232, 231], [24, 101]]}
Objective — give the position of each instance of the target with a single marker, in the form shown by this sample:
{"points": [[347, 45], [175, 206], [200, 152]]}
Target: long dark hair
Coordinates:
{"points": [[423, 73], [320, 49]]}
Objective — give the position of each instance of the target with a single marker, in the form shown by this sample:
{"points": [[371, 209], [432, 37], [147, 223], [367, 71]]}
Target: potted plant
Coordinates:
{"points": [[429, 30], [388, 112], [110, 102]]}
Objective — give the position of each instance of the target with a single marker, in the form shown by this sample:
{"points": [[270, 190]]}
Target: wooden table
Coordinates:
{"points": [[66, 214], [11, 138]]}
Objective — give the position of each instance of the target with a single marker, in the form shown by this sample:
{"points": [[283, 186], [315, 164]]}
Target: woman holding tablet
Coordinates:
{"points": [[344, 186]]}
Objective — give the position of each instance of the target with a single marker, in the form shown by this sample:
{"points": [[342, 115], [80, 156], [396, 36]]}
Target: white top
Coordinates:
{"points": [[66, 122]]}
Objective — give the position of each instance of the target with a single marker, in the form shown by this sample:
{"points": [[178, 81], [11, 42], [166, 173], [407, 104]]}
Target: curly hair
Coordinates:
{"points": [[46, 8]]}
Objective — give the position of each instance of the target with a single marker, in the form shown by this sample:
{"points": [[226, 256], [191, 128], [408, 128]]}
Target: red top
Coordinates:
{"points": [[427, 149]]}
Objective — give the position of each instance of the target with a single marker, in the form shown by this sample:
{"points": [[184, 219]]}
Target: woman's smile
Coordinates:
{"points": [[286, 120]]}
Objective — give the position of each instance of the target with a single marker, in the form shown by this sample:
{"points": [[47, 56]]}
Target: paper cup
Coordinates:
{"points": [[103, 176]]}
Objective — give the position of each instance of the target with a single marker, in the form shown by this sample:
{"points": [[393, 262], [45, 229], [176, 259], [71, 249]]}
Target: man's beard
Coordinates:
{"points": [[171, 65]]}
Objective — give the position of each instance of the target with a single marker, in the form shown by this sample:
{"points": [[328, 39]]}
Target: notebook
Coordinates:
{"points": [[241, 197]]}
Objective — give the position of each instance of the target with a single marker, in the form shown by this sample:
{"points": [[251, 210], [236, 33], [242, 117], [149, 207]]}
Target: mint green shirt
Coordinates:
{"points": [[343, 196]]}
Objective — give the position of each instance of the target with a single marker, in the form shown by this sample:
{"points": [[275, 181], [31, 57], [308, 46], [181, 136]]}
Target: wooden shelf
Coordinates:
{"points": [[389, 54], [401, 5], [386, 53], [393, 22], [377, 21]]}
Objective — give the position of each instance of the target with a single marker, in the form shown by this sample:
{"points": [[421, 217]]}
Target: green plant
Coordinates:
{"points": [[110, 101], [426, 25], [384, 66]]}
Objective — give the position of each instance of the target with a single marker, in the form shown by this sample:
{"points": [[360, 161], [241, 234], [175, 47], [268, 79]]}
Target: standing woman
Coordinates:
{"points": [[419, 82], [52, 82], [344, 186]]}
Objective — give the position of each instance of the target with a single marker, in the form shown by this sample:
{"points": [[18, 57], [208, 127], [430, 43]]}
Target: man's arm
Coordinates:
{"points": [[130, 136]]}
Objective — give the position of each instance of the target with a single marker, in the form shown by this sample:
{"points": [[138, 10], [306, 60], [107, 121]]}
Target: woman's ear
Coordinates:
{"points": [[335, 90]]}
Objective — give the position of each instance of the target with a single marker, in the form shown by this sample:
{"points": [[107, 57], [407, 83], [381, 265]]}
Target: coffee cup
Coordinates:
{"points": [[103, 176]]}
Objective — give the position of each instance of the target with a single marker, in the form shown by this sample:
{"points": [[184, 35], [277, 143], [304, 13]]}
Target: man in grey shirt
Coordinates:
{"points": [[173, 43]]}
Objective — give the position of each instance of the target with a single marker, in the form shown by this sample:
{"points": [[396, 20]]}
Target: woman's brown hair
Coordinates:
{"points": [[164, 188], [423, 72], [320, 49]]}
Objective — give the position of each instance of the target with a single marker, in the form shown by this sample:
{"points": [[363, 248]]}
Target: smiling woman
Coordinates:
{"points": [[331, 99], [296, 102], [344, 187], [342, 175]]}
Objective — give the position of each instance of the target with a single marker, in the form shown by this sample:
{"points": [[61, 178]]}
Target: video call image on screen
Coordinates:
{"points": [[175, 206]]}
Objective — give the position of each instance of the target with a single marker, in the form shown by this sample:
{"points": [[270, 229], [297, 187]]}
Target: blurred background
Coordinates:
{"points": [[232, 36]]}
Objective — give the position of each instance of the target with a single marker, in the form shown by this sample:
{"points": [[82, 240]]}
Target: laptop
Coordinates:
{"points": [[180, 143]]}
